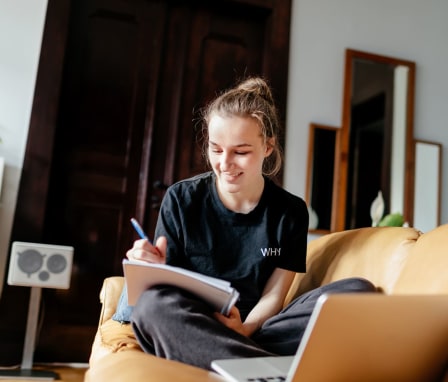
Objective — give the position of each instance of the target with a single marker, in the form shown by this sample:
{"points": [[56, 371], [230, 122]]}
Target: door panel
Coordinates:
{"points": [[99, 159]]}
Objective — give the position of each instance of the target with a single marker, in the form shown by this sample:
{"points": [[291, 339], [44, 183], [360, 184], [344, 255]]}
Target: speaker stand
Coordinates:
{"points": [[26, 370]]}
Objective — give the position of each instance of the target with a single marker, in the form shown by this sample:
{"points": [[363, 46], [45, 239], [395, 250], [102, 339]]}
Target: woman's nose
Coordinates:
{"points": [[226, 161]]}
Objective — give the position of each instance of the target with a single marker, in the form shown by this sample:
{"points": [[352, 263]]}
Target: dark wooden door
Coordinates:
{"points": [[135, 75]]}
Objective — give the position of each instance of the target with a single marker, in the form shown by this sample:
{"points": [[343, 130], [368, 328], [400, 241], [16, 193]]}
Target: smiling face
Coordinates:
{"points": [[236, 151]]}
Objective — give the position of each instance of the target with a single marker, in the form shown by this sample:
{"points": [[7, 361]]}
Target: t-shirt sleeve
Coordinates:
{"points": [[293, 236]]}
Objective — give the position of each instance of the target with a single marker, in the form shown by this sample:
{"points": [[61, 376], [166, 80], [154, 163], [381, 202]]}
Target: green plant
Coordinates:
{"points": [[392, 220]]}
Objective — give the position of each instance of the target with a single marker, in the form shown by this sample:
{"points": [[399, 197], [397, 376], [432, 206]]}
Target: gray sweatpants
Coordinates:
{"points": [[173, 324]]}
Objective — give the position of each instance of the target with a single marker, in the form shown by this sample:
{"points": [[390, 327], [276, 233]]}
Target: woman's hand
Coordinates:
{"points": [[232, 321], [143, 250]]}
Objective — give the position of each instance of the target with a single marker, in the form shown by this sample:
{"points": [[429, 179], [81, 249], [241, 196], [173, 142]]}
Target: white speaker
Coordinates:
{"points": [[40, 265]]}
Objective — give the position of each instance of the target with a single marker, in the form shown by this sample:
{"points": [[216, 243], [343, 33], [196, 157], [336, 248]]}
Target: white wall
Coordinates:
{"points": [[321, 31], [21, 26]]}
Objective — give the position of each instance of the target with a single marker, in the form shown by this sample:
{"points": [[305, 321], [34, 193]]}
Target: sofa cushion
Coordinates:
{"points": [[137, 366]]}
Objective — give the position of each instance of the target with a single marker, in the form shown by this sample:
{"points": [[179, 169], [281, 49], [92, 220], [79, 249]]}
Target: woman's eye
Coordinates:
{"points": [[220, 151]]}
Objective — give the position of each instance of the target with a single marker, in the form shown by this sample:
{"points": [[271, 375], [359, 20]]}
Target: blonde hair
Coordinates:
{"points": [[250, 98]]}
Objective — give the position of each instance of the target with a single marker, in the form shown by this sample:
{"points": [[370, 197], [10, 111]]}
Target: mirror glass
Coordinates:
{"points": [[322, 145], [376, 147]]}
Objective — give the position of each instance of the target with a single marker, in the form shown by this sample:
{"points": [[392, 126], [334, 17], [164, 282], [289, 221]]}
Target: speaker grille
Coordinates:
{"points": [[42, 265]]}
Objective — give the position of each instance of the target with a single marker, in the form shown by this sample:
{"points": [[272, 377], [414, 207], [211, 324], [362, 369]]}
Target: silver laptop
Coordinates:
{"points": [[360, 337]]}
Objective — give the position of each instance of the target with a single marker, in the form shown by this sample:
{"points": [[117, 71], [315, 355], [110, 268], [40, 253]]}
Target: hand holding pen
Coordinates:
{"points": [[144, 250]]}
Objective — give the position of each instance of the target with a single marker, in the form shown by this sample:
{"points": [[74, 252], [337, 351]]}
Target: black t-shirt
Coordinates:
{"points": [[206, 237]]}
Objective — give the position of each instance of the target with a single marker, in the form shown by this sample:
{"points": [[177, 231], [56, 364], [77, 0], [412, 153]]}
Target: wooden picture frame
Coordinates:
{"points": [[427, 184]]}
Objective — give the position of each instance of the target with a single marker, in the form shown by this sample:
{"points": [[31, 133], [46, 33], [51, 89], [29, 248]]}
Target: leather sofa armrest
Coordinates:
{"points": [[111, 336], [109, 296]]}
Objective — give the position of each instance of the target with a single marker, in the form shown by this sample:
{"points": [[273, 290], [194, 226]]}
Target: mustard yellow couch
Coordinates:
{"points": [[397, 260]]}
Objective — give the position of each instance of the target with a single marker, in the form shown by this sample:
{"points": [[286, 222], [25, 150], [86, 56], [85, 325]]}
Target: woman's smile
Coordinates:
{"points": [[231, 176]]}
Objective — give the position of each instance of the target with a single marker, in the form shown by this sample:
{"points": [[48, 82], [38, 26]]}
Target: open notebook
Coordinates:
{"points": [[360, 337]]}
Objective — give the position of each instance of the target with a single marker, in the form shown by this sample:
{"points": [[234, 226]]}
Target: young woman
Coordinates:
{"points": [[236, 224]]}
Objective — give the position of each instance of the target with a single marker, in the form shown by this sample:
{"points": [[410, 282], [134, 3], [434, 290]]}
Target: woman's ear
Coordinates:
{"points": [[270, 143]]}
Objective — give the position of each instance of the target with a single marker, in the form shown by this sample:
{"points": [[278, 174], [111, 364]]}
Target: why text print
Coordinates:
{"points": [[270, 251]]}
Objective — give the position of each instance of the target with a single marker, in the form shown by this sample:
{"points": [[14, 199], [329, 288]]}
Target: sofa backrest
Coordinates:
{"points": [[426, 269], [378, 254]]}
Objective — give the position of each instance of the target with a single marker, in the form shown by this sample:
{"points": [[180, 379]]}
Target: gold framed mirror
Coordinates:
{"points": [[376, 151]]}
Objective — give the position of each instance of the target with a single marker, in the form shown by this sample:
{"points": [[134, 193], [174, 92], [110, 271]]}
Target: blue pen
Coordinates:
{"points": [[139, 230]]}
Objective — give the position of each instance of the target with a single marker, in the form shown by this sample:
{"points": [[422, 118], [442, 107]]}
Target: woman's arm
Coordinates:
{"points": [[270, 303]]}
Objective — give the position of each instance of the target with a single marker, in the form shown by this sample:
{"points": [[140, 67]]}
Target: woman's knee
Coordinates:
{"points": [[151, 303], [355, 284]]}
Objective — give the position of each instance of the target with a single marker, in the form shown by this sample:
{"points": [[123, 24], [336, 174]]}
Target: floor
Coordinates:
{"points": [[62, 373]]}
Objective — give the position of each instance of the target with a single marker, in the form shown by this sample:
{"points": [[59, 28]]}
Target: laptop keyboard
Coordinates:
{"points": [[267, 379]]}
